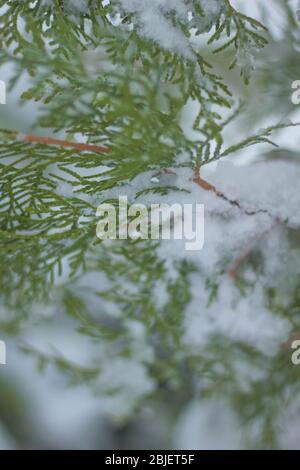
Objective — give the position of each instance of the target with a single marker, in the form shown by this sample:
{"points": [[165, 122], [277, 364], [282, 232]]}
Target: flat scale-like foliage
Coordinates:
{"points": [[116, 76]]}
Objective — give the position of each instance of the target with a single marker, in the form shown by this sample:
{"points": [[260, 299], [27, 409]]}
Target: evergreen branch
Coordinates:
{"points": [[209, 187], [36, 139], [123, 86], [259, 138], [63, 143]]}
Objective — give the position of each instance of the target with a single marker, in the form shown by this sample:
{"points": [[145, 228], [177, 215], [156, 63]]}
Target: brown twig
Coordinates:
{"points": [[209, 187], [63, 143], [204, 184]]}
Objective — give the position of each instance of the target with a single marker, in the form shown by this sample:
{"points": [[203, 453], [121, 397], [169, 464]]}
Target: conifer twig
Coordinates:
{"points": [[209, 187], [36, 139], [64, 143]]}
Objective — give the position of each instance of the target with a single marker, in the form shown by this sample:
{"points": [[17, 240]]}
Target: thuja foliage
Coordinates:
{"points": [[99, 72], [118, 89]]}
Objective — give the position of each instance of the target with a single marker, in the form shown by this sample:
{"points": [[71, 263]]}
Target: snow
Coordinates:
{"points": [[229, 233], [152, 19], [65, 189], [208, 425], [233, 316], [152, 23], [267, 185], [129, 379]]}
